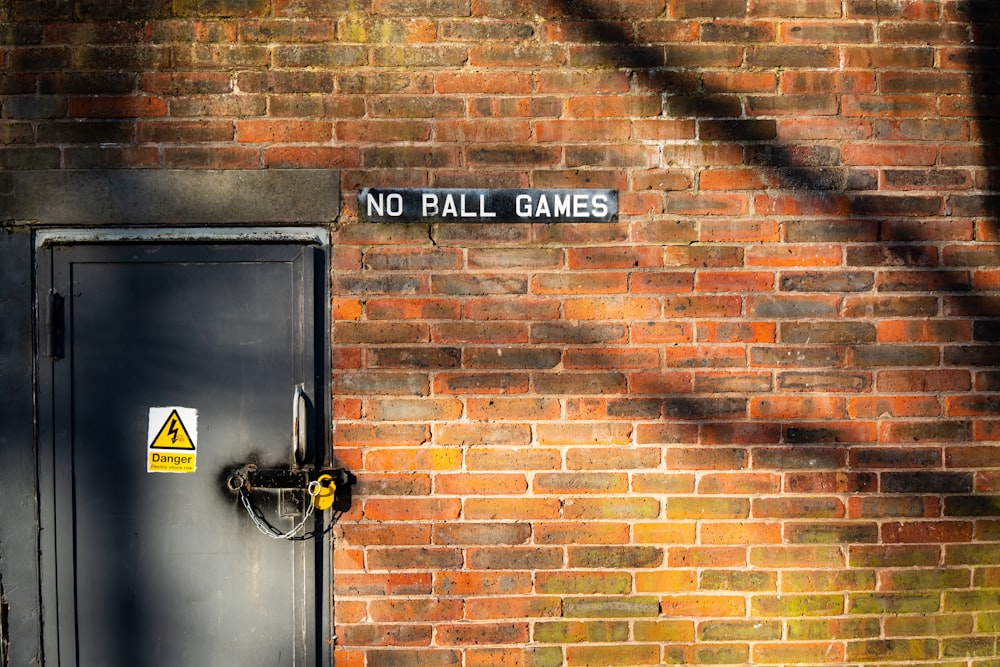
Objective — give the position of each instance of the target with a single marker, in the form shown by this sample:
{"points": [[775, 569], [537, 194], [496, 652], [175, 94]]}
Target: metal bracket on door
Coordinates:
{"points": [[250, 477], [306, 489]]}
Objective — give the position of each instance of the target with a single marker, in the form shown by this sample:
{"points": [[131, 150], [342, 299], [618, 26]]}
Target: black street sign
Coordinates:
{"points": [[485, 205]]}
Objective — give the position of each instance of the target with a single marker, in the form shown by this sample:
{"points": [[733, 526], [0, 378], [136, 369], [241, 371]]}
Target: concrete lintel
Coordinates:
{"points": [[170, 196]]}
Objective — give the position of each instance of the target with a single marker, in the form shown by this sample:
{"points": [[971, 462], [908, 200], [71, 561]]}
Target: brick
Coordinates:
{"points": [[110, 158], [797, 605], [480, 433], [510, 458], [890, 255], [420, 308], [887, 106], [798, 407], [893, 354], [923, 33], [584, 583], [715, 459], [212, 158], [576, 482], [611, 358], [816, 458], [696, 106], [269, 131], [513, 408], [799, 652], [217, 106], [479, 332], [613, 107], [574, 632], [611, 308], [382, 131], [484, 508], [892, 649], [939, 624], [806, 82], [105, 132], [307, 157], [615, 557], [898, 406], [267, 31], [413, 509], [796, 8], [830, 533], [116, 107], [500, 357], [577, 433], [624, 655], [738, 32], [791, 56], [893, 507], [723, 533], [723, 382], [413, 658], [589, 283], [370, 634], [899, 331], [514, 558], [479, 483], [408, 459], [569, 81], [896, 155], [841, 333], [380, 333], [896, 306], [708, 8], [662, 332], [513, 607], [797, 355], [515, 258], [479, 383], [411, 259], [599, 459], [613, 509], [659, 383], [580, 533], [174, 131], [506, 309], [406, 610]]}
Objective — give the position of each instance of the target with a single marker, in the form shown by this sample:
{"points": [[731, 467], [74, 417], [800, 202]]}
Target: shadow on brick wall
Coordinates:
{"points": [[918, 237]]}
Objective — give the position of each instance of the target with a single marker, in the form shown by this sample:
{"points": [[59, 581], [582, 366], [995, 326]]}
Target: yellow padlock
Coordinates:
{"points": [[326, 492]]}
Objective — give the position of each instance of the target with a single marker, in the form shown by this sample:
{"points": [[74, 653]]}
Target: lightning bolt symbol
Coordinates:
{"points": [[172, 431]]}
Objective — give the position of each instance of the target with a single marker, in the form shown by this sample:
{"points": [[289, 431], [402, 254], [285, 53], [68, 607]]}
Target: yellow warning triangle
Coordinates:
{"points": [[172, 435]]}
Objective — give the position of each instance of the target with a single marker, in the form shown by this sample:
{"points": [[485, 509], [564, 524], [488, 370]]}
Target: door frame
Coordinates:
{"points": [[46, 239]]}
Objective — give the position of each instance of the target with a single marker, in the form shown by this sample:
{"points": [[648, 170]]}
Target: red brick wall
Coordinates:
{"points": [[755, 421]]}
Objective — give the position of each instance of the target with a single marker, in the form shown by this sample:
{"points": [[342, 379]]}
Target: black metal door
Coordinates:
{"points": [[157, 566]]}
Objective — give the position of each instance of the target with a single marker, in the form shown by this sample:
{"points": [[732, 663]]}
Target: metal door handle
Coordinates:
{"points": [[299, 426]]}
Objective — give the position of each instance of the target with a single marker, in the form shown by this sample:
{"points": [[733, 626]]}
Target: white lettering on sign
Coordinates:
{"points": [[473, 205], [383, 204], [600, 206], [460, 206], [579, 205]]}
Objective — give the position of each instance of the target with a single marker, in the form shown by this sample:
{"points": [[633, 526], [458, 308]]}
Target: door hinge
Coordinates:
{"points": [[55, 326]]}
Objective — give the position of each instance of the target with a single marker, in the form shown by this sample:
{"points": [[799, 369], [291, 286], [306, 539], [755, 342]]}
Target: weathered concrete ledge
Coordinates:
{"points": [[170, 196]]}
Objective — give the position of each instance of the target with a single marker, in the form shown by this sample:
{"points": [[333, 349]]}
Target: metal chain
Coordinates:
{"points": [[266, 528]]}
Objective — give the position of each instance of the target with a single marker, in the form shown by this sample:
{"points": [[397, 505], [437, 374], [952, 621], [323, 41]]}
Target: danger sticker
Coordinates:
{"points": [[172, 440]]}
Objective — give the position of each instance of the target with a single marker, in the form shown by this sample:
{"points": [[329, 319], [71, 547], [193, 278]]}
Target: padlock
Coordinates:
{"points": [[326, 492]]}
